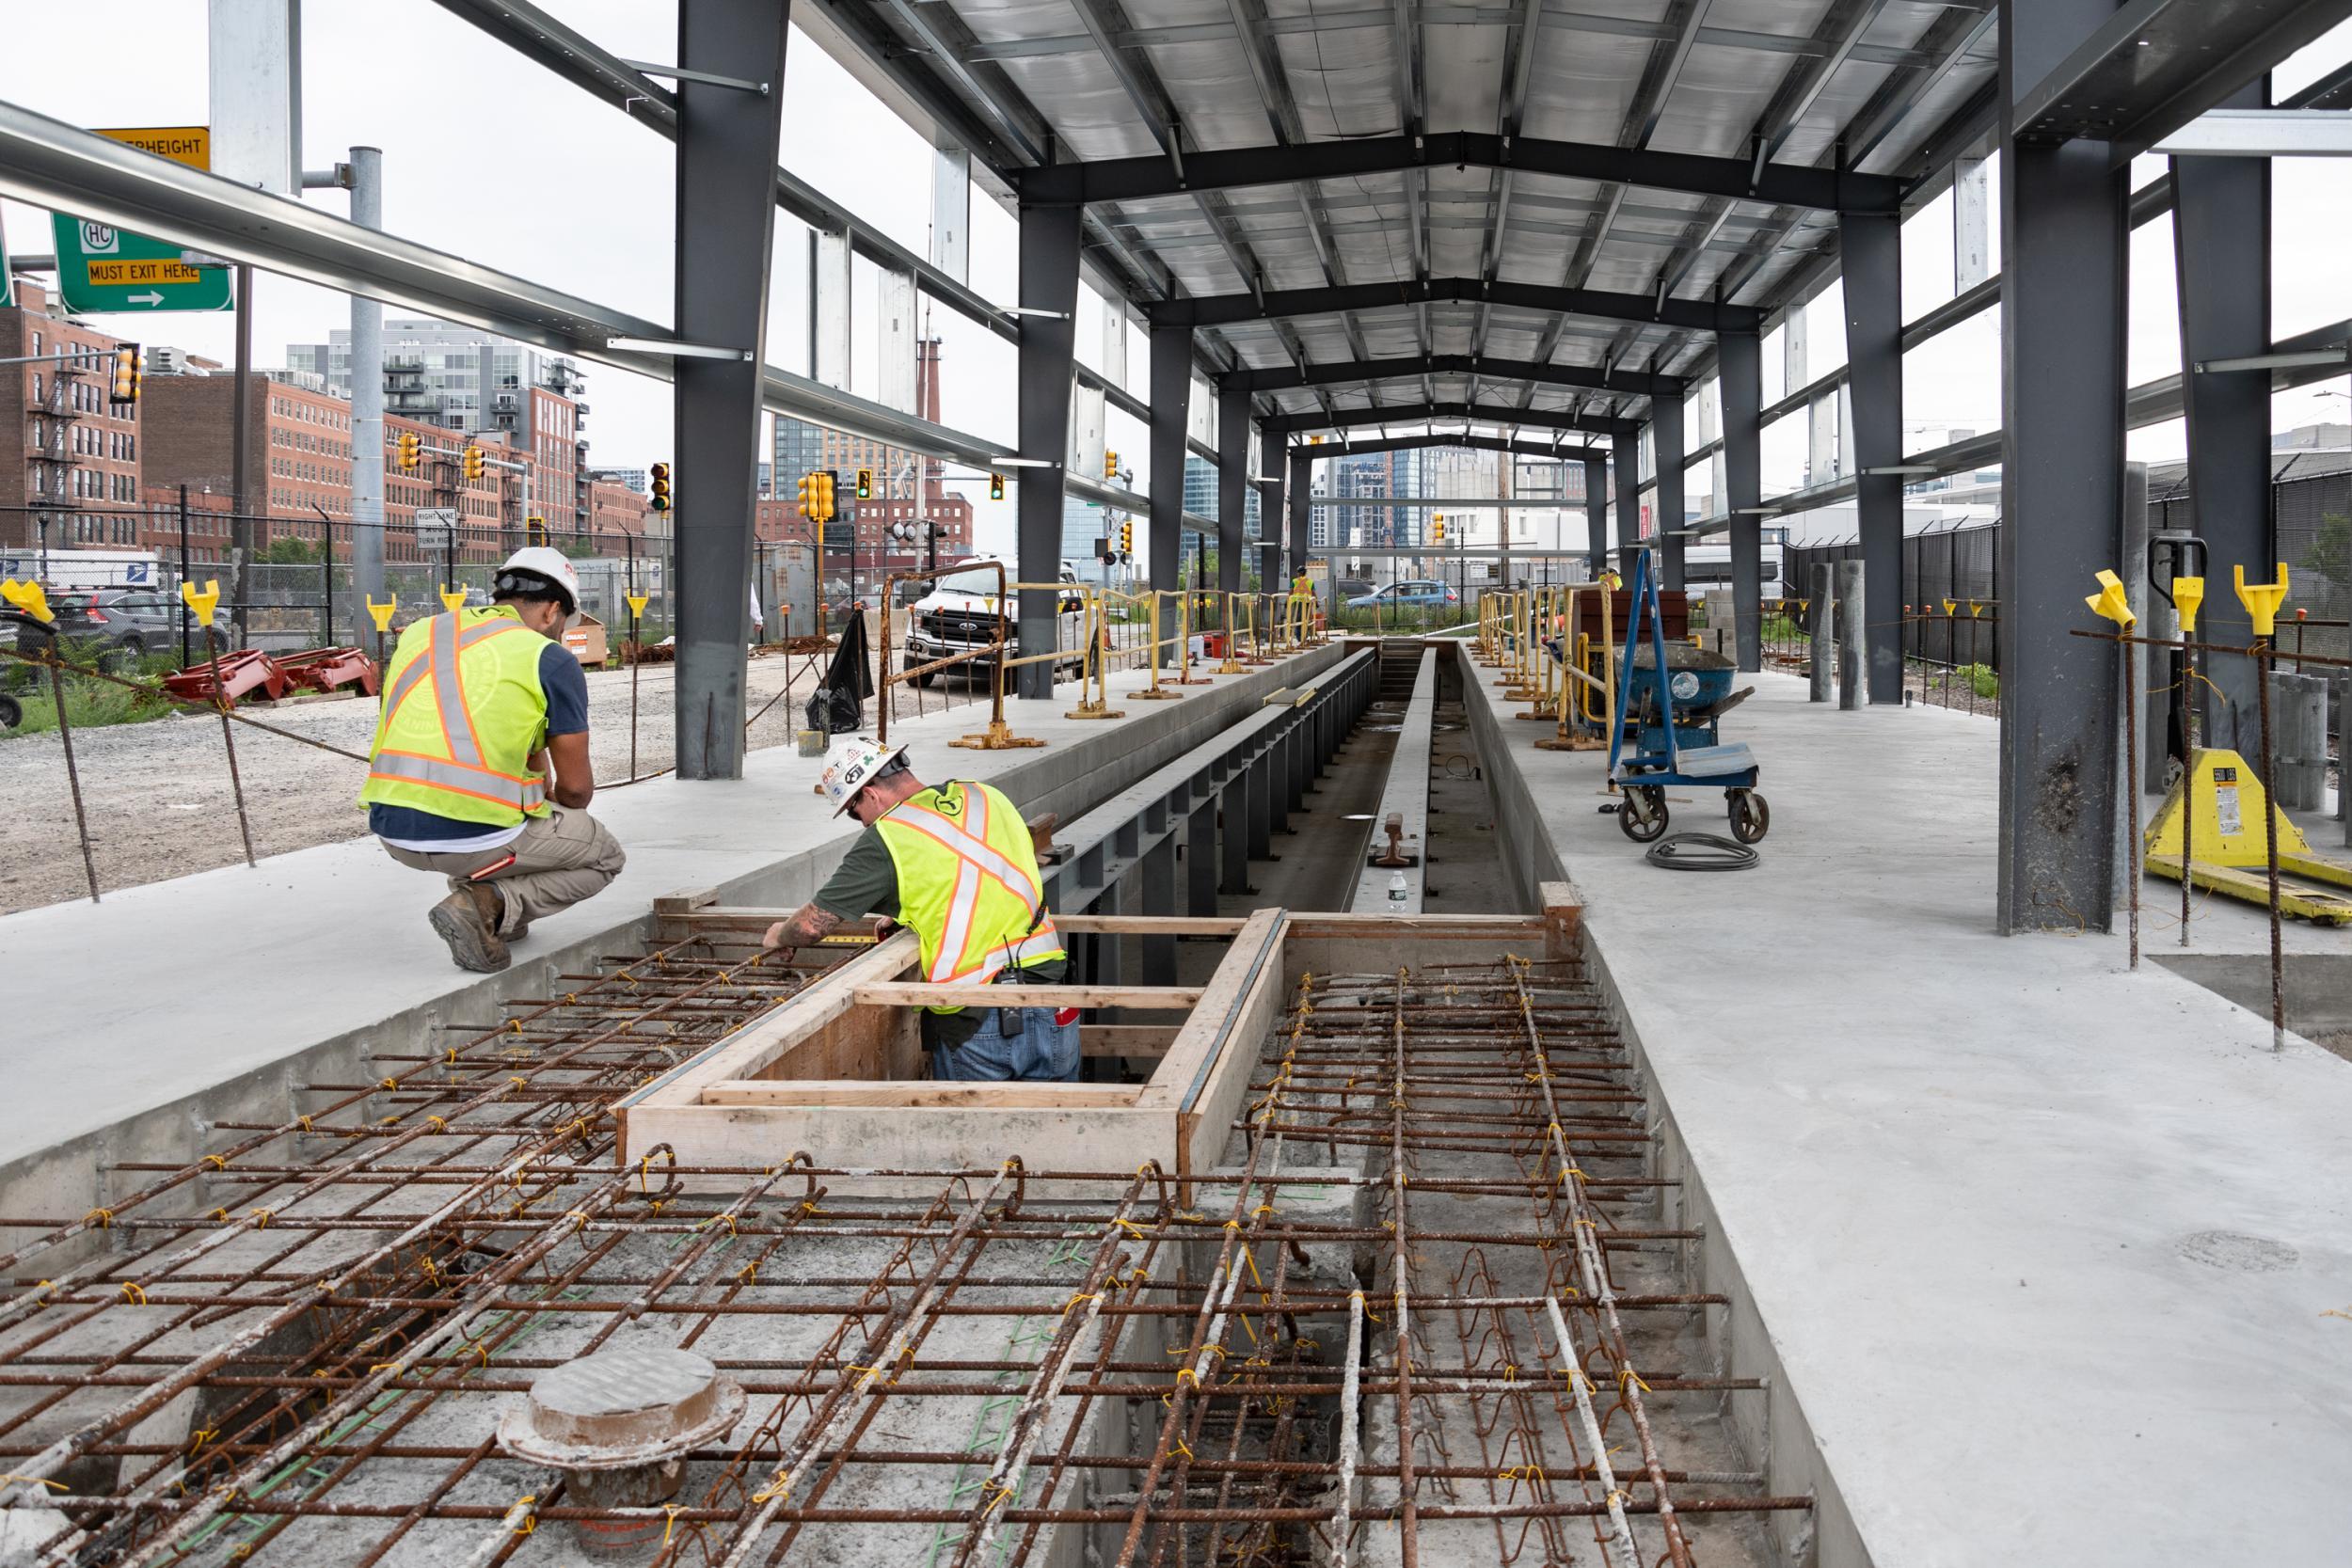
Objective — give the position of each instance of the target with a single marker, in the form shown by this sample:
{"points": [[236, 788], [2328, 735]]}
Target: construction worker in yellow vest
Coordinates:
{"points": [[1302, 603], [957, 865], [477, 705]]}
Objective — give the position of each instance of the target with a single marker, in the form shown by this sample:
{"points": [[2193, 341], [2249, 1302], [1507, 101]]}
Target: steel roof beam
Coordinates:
{"points": [[1658, 80], [1222, 309], [1821, 72], [1415, 412], [2155, 64], [1777, 184], [1342, 373], [1410, 443]]}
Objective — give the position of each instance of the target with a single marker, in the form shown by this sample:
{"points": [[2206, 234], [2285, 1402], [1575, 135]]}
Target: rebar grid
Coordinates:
{"points": [[1246, 1364]]}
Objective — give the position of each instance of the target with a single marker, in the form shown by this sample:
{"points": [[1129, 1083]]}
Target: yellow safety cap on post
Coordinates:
{"points": [[2109, 601], [1950, 604], [637, 603], [29, 596], [454, 598], [2261, 599], [382, 613], [203, 601], [2187, 594]]}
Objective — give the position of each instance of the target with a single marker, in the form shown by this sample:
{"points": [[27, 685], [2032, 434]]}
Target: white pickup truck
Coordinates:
{"points": [[960, 613]]}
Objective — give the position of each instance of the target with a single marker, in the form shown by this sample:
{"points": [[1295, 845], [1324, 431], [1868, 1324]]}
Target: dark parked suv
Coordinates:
{"points": [[115, 622]]}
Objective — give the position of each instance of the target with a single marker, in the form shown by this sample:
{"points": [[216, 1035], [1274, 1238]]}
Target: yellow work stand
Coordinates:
{"points": [[2230, 855]]}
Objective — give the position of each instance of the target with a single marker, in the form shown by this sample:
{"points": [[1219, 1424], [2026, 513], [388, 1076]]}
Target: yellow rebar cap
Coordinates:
{"points": [[2261, 599], [29, 597], [2187, 594], [455, 599], [382, 613], [637, 603], [2109, 601], [201, 601]]}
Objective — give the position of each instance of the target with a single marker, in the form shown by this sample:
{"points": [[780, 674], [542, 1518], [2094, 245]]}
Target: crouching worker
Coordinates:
{"points": [[477, 705], [958, 865]]}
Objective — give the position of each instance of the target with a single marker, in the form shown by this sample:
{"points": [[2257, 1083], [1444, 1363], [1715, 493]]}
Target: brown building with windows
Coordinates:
{"points": [[616, 513], [81, 451], [297, 448]]}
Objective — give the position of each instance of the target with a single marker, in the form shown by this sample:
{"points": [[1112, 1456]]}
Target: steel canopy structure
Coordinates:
{"points": [[1523, 216]]}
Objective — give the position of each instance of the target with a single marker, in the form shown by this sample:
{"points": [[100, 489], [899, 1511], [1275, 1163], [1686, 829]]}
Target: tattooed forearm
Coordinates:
{"points": [[808, 924]]}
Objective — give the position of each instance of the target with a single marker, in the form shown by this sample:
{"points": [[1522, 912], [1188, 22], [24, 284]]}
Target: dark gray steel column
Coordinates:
{"points": [[1596, 512], [2064, 255], [1666, 437], [1624, 456], [1871, 251], [1171, 403], [1049, 282], [1233, 436], [726, 212], [1300, 496], [1740, 363], [2221, 246]]}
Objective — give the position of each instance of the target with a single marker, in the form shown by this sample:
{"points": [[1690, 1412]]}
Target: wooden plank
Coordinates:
{"points": [[744, 1053], [1127, 1039], [1208, 1121], [767, 1092], [1174, 1085], [1111, 1139], [1563, 918], [917, 993]]}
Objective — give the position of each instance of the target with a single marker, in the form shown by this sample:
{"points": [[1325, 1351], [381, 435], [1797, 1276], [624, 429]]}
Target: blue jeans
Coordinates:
{"points": [[1041, 1051]]}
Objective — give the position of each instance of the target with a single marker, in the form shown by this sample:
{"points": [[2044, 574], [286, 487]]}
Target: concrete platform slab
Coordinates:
{"points": [[127, 1015], [2046, 1257]]}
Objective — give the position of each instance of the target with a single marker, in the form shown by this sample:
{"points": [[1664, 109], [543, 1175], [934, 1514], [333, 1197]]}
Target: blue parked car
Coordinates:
{"points": [[1407, 595]]}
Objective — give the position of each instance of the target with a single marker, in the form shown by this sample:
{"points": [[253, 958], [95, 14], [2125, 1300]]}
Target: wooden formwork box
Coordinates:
{"points": [[835, 1073]]}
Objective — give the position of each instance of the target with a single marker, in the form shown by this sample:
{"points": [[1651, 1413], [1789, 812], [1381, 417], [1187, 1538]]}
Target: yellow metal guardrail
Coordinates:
{"points": [[998, 735]]}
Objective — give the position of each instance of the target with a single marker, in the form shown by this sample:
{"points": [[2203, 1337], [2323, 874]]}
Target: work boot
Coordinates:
{"points": [[468, 921]]}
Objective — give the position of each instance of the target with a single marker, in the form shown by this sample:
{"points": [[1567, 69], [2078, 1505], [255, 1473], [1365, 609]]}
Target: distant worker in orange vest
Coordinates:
{"points": [[478, 704]]}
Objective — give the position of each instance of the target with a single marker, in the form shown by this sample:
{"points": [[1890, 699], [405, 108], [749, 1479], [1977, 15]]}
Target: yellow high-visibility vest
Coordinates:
{"points": [[463, 712], [968, 883]]}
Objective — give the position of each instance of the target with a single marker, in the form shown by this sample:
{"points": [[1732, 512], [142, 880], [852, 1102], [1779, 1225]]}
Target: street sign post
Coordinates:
{"points": [[436, 530], [105, 269]]}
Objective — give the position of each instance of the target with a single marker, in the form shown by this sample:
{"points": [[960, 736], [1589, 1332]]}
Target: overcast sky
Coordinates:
{"points": [[488, 156]]}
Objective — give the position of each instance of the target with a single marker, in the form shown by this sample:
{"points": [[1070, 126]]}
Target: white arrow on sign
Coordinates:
{"points": [[151, 297]]}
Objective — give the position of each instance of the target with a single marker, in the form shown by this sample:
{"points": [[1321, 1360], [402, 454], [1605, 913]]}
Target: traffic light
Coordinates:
{"points": [[661, 499], [535, 530], [865, 484], [1127, 538], [1436, 534], [473, 463], [409, 452], [807, 507], [126, 379], [826, 479], [1110, 464], [995, 487]]}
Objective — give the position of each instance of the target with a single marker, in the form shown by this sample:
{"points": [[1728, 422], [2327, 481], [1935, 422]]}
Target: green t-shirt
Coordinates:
{"points": [[867, 883]]}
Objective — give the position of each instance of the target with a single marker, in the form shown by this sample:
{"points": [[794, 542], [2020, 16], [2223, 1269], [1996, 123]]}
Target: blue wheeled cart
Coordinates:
{"points": [[1666, 734]]}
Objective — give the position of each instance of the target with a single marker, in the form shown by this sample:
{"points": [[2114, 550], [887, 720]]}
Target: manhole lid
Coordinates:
{"points": [[629, 1405]]}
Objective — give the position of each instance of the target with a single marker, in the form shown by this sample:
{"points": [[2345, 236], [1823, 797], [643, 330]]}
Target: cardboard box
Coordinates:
{"points": [[587, 643]]}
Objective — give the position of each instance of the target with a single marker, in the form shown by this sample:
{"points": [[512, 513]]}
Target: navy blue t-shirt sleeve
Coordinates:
{"points": [[566, 687]]}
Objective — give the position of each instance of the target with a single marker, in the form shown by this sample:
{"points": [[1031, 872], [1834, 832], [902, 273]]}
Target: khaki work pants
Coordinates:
{"points": [[560, 860]]}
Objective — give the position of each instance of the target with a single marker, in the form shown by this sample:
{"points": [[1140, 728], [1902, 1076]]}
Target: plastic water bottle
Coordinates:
{"points": [[1398, 892]]}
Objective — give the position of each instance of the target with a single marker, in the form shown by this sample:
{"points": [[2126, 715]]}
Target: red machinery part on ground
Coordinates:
{"points": [[250, 672]]}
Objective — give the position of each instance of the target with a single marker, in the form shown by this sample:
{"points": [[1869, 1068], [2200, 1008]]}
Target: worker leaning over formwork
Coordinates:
{"points": [[957, 865], [477, 705]]}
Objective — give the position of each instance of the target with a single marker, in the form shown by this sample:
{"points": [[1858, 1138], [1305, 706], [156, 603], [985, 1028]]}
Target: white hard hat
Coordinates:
{"points": [[546, 562], [850, 766]]}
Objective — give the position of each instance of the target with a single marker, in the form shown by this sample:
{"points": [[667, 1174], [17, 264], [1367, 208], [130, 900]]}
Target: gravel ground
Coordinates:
{"points": [[160, 804]]}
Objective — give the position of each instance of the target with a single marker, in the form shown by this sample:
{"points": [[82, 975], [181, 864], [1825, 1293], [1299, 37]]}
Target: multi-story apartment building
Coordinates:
{"points": [[78, 482], [297, 448], [447, 375]]}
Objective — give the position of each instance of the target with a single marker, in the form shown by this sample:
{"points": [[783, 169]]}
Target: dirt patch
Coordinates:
{"points": [[160, 804]]}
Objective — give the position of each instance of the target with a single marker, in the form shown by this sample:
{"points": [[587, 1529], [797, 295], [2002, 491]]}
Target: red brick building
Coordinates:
{"points": [[81, 453], [297, 448], [616, 513]]}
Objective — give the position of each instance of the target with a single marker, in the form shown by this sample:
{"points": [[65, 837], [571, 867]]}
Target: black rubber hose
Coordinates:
{"points": [[1703, 852]]}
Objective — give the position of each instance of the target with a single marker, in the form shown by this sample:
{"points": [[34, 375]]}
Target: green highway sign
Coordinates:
{"points": [[102, 268], [105, 269]]}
